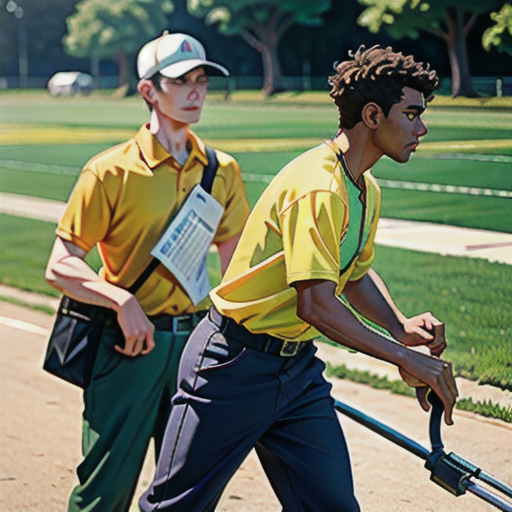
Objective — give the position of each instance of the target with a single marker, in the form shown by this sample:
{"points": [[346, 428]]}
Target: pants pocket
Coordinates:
{"points": [[219, 352], [107, 358]]}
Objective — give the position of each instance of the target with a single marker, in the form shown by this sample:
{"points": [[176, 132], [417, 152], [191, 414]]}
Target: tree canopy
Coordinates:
{"points": [[500, 34], [262, 24], [450, 20], [115, 30]]}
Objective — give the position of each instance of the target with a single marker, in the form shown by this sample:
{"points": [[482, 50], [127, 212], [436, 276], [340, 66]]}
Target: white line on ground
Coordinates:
{"points": [[447, 189], [23, 326], [31, 207], [413, 235]]}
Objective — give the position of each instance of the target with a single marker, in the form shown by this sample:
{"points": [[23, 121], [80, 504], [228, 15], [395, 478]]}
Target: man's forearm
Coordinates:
{"points": [[319, 307], [68, 272], [370, 296]]}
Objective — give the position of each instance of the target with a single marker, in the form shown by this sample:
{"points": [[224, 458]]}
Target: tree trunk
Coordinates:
{"points": [[265, 39], [122, 63], [462, 84], [273, 78], [127, 84]]}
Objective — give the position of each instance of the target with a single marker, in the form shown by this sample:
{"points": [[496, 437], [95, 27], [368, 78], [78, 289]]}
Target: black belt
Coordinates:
{"points": [[261, 342], [183, 324]]}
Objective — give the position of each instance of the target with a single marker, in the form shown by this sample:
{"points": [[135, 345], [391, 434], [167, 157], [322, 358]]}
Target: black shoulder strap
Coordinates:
{"points": [[210, 170], [209, 173]]}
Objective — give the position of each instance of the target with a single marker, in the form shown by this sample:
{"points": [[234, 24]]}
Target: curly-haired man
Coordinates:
{"points": [[249, 376]]}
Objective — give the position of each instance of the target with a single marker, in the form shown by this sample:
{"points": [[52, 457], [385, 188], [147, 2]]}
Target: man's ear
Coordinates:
{"points": [[372, 115], [147, 90]]}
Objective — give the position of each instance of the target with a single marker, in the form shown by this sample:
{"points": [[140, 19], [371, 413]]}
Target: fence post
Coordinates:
{"points": [[499, 87]]}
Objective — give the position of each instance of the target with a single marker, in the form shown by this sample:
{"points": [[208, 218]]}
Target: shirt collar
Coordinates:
{"points": [[197, 148], [154, 153], [361, 186]]}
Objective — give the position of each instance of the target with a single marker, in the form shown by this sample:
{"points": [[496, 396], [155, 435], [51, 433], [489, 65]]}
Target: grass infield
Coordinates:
{"points": [[45, 141]]}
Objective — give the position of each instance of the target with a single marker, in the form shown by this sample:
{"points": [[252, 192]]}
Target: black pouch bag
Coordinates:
{"points": [[77, 329], [74, 341]]}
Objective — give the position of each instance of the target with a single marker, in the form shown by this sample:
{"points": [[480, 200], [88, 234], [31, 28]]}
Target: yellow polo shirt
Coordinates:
{"points": [[311, 222], [123, 200]]}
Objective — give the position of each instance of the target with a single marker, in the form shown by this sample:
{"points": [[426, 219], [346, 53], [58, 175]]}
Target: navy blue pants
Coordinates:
{"points": [[231, 398]]}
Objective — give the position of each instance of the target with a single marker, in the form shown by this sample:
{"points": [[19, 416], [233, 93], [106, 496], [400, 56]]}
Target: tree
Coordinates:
{"points": [[262, 24], [44, 25], [115, 30], [450, 20], [500, 34]]}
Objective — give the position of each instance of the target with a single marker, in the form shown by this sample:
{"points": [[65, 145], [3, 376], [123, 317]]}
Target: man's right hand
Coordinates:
{"points": [[436, 374], [137, 329]]}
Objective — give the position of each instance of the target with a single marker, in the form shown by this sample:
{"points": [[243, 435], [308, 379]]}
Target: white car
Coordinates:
{"points": [[69, 83]]}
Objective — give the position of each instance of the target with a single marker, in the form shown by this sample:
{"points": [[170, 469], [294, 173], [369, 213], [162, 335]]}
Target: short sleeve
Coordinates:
{"points": [[236, 209], [311, 229], [86, 218]]}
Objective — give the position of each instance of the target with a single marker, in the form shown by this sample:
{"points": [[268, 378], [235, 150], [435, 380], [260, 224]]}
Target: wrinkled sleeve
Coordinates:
{"points": [[236, 209], [86, 218], [311, 229]]}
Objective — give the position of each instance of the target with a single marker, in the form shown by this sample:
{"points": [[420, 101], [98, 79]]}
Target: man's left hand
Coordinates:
{"points": [[424, 329]]}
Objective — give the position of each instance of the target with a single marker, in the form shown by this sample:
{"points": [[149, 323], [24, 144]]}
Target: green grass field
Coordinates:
{"points": [[45, 141]]}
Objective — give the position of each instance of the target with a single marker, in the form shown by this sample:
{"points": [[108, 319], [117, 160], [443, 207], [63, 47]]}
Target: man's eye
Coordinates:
{"points": [[178, 82], [202, 80], [411, 115]]}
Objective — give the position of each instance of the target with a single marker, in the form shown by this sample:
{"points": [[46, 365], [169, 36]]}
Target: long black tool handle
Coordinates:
{"points": [[436, 417], [500, 486], [418, 450], [488, 496], [385, 431], [476, 472], [437, 447]]}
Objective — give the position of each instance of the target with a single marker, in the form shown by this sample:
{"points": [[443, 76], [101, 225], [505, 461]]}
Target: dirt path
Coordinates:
{"points": [[40, 442]]}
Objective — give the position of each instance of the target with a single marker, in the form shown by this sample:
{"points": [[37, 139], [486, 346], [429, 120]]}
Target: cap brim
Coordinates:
{"points": [[181, 68]]}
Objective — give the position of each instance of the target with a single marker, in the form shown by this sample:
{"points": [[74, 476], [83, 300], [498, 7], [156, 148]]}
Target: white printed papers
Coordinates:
{"points": [[184, 245]]}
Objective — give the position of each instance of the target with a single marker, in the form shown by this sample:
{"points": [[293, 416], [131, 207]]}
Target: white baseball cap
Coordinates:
{"points": [[173, 55]]}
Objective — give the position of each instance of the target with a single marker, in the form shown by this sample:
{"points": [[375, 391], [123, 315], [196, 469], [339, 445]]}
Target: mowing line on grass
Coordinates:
{"points": [[449, 189], [408, 185], [18, 134], [50, 134], [19, 165], [499, 159], [465, 144], [63, 170]]}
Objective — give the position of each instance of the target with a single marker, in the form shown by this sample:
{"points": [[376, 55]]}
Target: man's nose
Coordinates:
{"points": [[421, 128], [193, 95]]}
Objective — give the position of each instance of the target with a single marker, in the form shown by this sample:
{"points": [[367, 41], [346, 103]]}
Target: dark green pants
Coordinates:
{"points": [[127, 403]]}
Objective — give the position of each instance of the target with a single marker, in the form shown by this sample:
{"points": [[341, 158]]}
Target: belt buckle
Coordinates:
{"points": [[289, 349], [176, 325]]}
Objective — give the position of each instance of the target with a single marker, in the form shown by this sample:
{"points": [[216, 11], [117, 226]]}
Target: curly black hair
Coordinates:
{"points": [[377, 75]]}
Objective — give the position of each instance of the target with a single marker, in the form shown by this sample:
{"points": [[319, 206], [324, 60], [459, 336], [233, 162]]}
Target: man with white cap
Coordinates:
{"points": [[124, 202]]}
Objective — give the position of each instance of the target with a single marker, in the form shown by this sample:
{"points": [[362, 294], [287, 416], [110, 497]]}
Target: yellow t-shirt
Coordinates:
{"points": [[123, 200], [312, 222]]}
